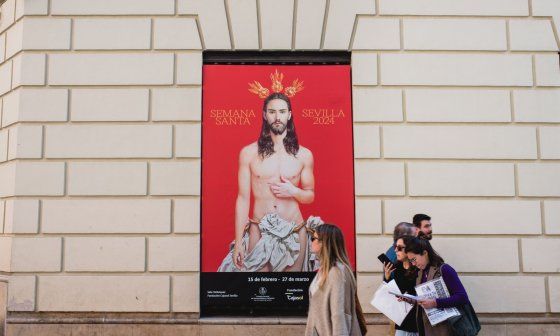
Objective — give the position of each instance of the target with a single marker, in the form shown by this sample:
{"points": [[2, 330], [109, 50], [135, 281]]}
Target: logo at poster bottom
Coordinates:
{"points": [[261, 295]]}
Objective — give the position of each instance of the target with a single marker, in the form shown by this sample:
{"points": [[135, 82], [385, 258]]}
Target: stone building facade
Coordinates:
{"points": [[456, 109]]}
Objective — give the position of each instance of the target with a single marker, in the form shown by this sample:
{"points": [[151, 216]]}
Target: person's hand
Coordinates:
{"points": [[388, 268], [409, 301], [428, 303], [284, 188], [238, 255]]}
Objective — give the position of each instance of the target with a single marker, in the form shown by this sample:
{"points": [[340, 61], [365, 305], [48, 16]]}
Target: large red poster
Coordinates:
{"points": [[233, 159]]}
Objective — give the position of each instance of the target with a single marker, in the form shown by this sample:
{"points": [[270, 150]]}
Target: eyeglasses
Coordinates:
{"points": [[399, 248], [315, 238]]}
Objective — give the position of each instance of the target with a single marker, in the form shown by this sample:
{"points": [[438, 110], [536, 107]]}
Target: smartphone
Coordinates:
{"points": [[384, 259]]}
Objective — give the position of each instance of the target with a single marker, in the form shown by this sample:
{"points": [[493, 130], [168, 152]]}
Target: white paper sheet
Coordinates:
{"points": [[388, 304]]}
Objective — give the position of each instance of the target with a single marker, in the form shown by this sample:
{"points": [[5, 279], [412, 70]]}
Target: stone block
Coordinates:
{"points": [[457, 105], [276, 19], [460, 179], [341, 19], [366, 141], [29, 104], [177, 104], [364, 68], [112, 7], [37, 254], [39, 178], [107, 178], [186, 215], [374, 178], [309, 24], [106, 216], [552, 217], [174, 253], [112, 34], [31, 7], [456, 69], [108, 141], [476, 254], [533, 250], [22, 216], [26, 142], [121, 293], [4, 145], [368, 216], [538, 179], [176, 33], [506, 294], [532, 35], [375, 33], [537, 106], [449, 217], [187, 140], [549, 138], [367, 250], [373, 104], [37, 33], [185, 293], [462, 7], [459, 142], [454, 34], [547, 72], [28, 69], [367, 285], [8, 14], [213, 21], [5, 77], [21, 293], [111, 69], [104, 254], [554, 293], [175, 178], [189, 68], [110, 104]]}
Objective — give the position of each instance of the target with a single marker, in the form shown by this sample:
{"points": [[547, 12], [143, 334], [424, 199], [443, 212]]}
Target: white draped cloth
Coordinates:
{"points": [[279, 245]]}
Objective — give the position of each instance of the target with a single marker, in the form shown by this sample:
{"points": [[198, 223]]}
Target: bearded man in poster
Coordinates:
{"points": [[278, 172]]}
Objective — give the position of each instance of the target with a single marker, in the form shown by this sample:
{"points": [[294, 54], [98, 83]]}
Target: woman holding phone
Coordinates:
{"points": [[404, 275], [332, 293], [431, 266]]}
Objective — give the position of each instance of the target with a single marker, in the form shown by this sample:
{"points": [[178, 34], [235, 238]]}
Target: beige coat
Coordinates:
{"points": [[332, 309]]}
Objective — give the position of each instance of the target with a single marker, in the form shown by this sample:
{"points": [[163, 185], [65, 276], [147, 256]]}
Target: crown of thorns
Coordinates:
{"points": [[277, 86]]}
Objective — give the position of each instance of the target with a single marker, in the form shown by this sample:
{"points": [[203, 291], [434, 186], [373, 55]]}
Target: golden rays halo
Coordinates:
{"points": [[277, 86]]}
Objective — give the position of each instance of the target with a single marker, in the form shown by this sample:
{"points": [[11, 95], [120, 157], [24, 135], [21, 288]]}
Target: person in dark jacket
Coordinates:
{"points": [[404, 275], [431, 266]]}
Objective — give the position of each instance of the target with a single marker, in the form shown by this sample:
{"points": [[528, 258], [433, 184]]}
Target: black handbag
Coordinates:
{"points": [[465, 324]]}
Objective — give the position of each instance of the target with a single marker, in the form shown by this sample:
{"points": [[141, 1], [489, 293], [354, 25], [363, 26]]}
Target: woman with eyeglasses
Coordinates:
{"points": [[332, 303], [404, 275], [431, 266]]}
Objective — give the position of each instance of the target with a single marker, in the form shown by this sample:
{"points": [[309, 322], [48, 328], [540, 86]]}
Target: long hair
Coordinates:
{"points": [[418, 246], [333, 250], [291, 144]]}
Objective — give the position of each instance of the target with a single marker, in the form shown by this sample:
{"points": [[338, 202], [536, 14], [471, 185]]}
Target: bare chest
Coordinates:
{"points": [[277, 165]]}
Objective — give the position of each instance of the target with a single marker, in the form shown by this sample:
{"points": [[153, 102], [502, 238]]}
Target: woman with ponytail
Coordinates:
{"points": [[431, 266], [332, 294]]}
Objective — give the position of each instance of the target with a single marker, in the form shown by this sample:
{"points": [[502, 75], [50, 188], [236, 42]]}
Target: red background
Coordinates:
{"points": [[226, 87]]}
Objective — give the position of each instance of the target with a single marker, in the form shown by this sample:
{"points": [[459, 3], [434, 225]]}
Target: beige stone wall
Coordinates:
{"points": [[456, 112]]}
